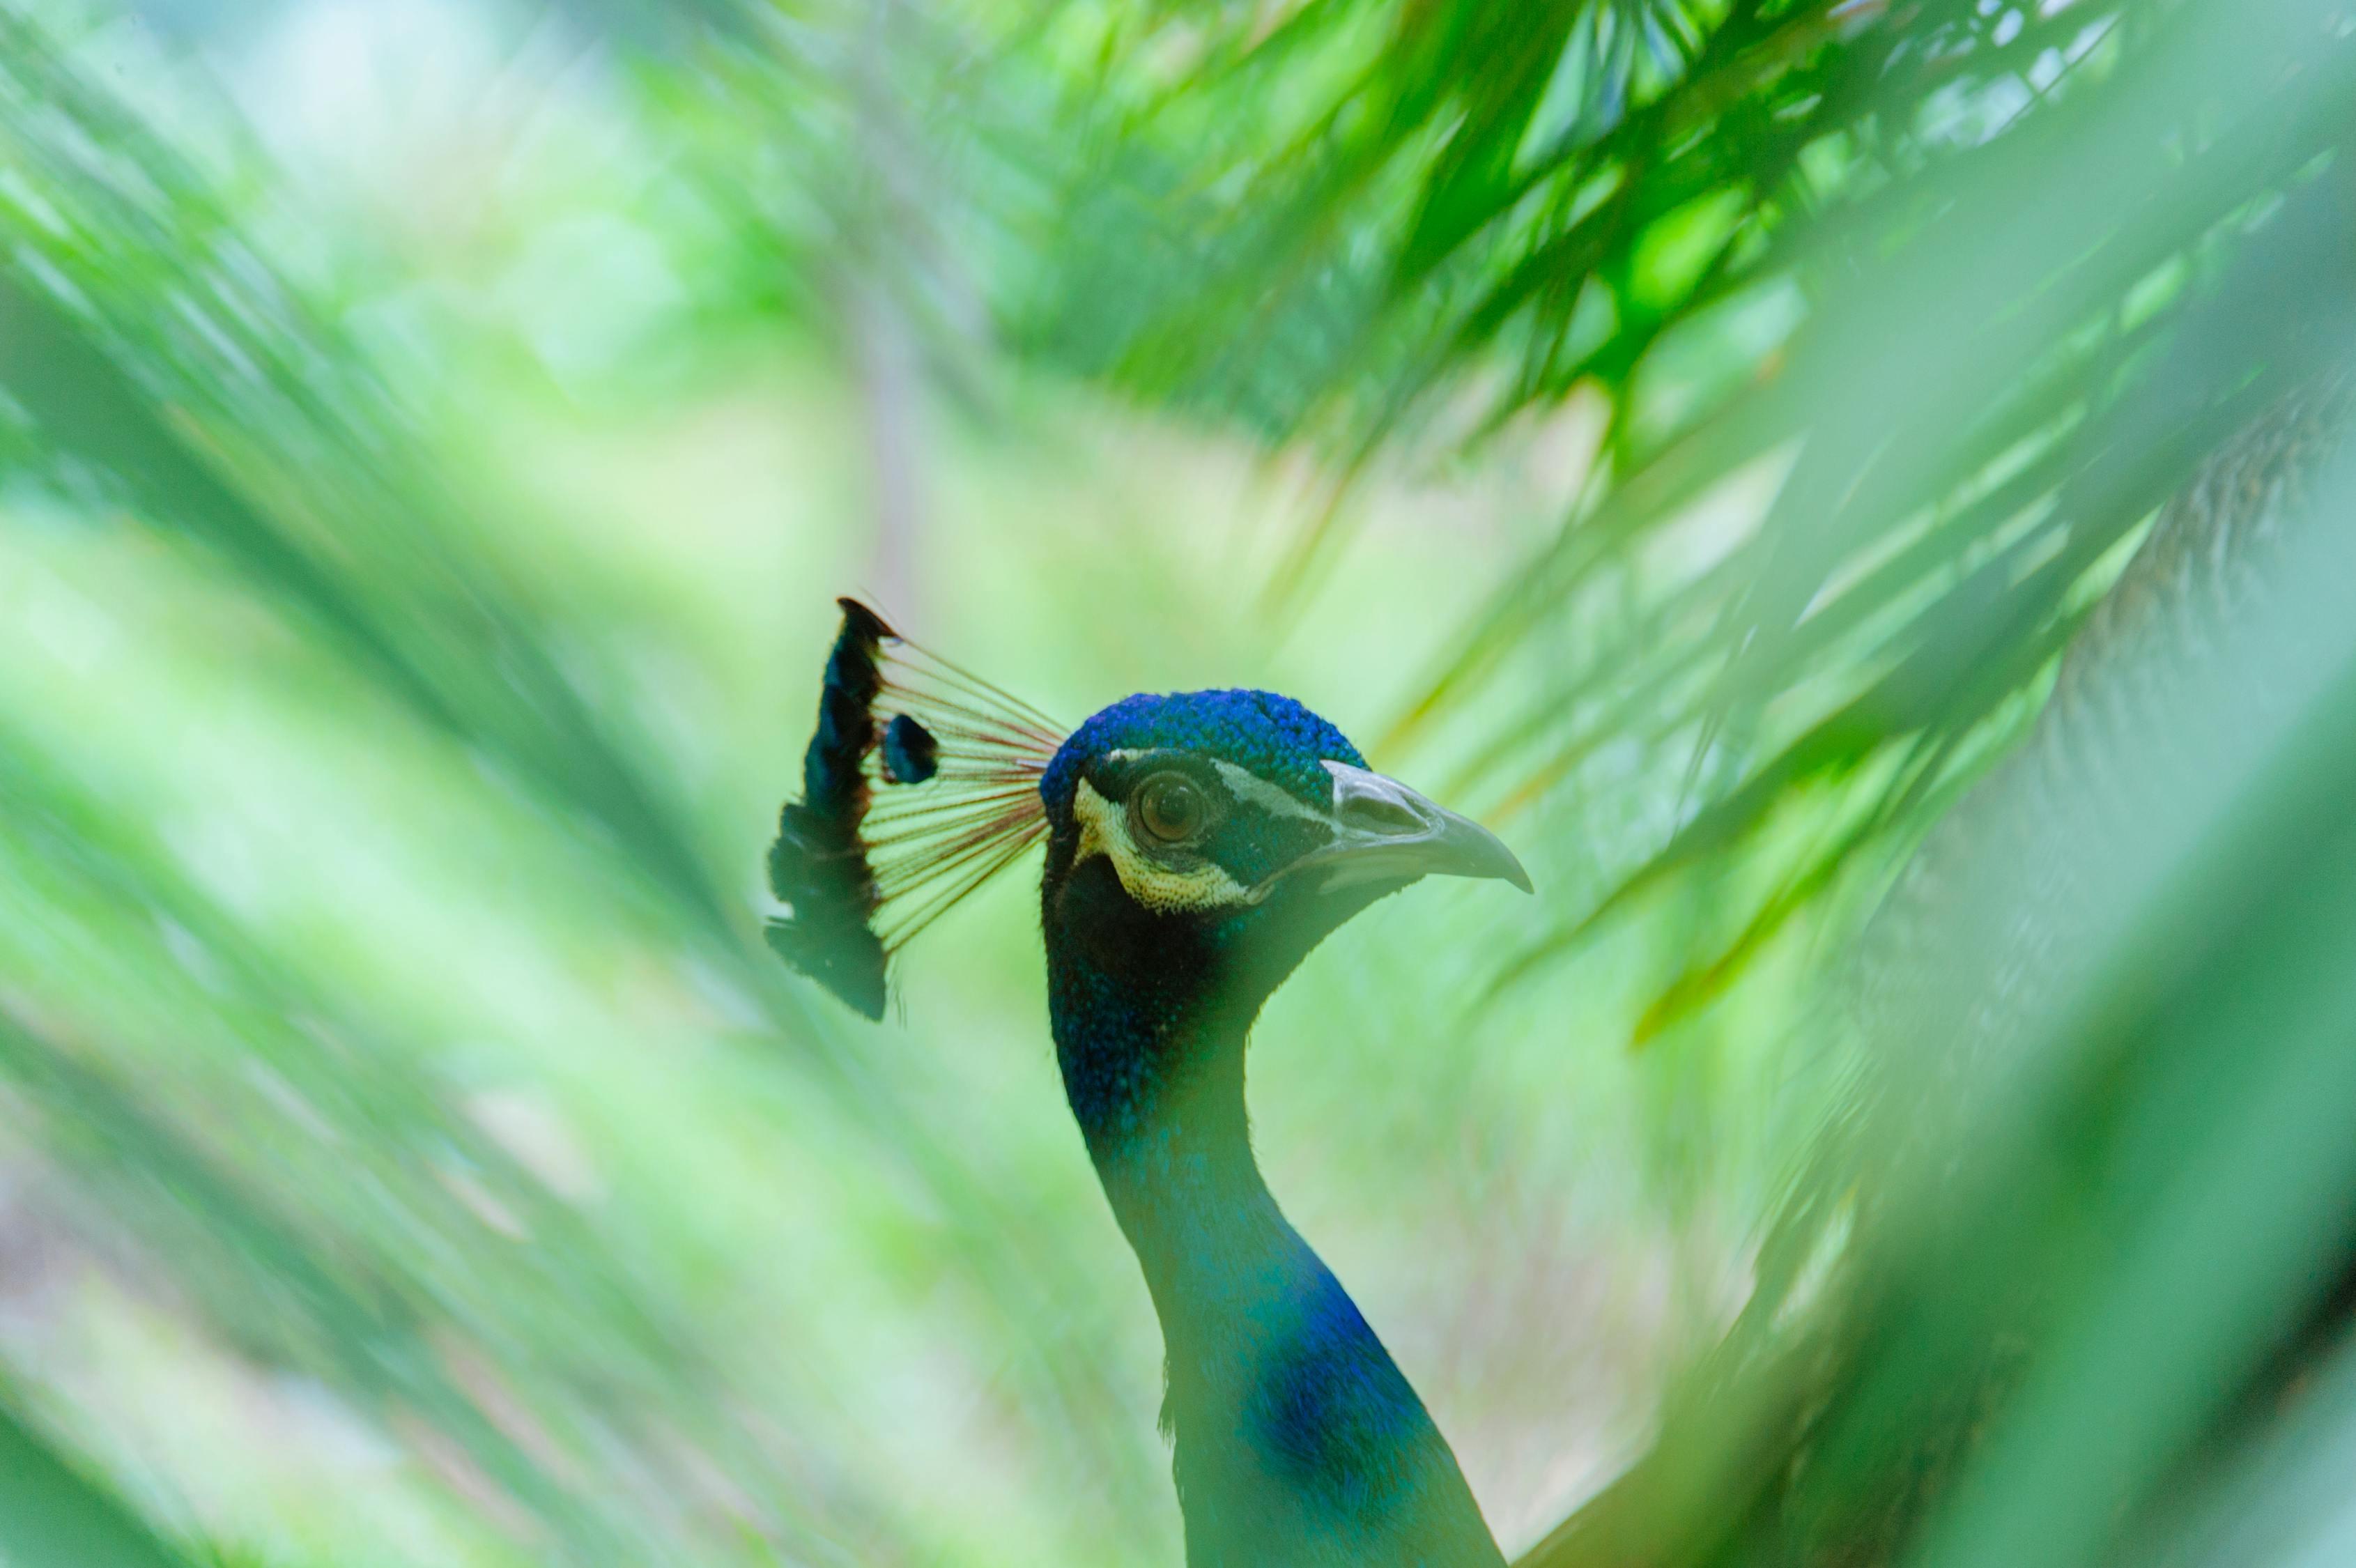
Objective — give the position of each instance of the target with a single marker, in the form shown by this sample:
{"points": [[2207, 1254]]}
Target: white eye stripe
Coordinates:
{"points": [[1244, 785], [1253, 790]]}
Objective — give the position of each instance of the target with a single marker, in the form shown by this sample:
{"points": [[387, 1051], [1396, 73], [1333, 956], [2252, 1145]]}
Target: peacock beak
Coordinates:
{"points": [[1385, 832]]}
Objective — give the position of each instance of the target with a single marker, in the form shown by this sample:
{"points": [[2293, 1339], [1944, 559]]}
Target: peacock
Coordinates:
{"points": [[1199, 844]]}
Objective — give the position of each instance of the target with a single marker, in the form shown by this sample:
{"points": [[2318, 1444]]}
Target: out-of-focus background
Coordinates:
{"points": [[1688, 436]]}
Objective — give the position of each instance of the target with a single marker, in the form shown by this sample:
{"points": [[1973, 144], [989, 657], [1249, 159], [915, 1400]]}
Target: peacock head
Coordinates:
{"points": [[1200, 844]]}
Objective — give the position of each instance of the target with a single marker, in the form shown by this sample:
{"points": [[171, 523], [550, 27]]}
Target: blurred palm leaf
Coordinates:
{"points": [[1980, 283], [2085, 1255], [206, 1093], [1972, 290], [52, 1516], [223, 409]]}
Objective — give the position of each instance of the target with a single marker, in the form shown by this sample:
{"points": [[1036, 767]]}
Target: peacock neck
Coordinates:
{"points": [[1173, 1153], [1150, 1020], [1294, 1437]]}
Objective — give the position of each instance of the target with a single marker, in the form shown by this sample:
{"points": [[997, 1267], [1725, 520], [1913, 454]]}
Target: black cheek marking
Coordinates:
{"points": [[1252, 845]]}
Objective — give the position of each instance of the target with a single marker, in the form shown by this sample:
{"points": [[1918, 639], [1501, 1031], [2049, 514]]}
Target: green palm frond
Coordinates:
{"points": [[52, 1514], [1973, 288], [251, 1118], [225, 411], [1908, 320], [1904, 319], [2089, 1251]]}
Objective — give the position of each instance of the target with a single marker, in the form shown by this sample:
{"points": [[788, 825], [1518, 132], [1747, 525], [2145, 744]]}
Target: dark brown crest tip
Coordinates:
{"points": [[864, 623]]}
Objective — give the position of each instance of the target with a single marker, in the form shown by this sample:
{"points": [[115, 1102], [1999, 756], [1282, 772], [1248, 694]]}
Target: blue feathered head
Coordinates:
{"points": [[922, 782]]}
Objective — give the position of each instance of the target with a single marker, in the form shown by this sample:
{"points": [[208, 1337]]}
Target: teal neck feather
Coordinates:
{"points": [[1296, 1439]]}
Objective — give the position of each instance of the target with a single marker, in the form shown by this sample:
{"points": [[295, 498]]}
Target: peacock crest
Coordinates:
{"points": [[920, 784]]}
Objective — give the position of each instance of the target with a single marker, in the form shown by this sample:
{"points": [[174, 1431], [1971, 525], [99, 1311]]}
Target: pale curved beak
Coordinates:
{"points": [[1385, 832]]}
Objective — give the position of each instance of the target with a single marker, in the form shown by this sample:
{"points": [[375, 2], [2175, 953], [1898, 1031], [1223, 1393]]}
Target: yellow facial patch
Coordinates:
{"points": [[1154, 883]]}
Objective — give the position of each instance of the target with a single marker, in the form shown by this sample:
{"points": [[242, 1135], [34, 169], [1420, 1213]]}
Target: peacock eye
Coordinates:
{"points": [[1170, 808]]}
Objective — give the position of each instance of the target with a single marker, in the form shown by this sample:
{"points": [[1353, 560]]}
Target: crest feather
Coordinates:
{"points": [[921, 782]]}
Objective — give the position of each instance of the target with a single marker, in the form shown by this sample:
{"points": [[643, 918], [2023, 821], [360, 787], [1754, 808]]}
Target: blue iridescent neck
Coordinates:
{"points": [[1295, 1439], [1155, 1077]]}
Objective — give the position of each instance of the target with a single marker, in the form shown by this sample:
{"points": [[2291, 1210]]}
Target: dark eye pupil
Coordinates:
{"points": [[1171, 809]]}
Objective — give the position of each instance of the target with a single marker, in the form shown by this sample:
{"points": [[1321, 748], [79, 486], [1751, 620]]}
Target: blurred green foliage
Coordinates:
{"points": [[1687, 433]]}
